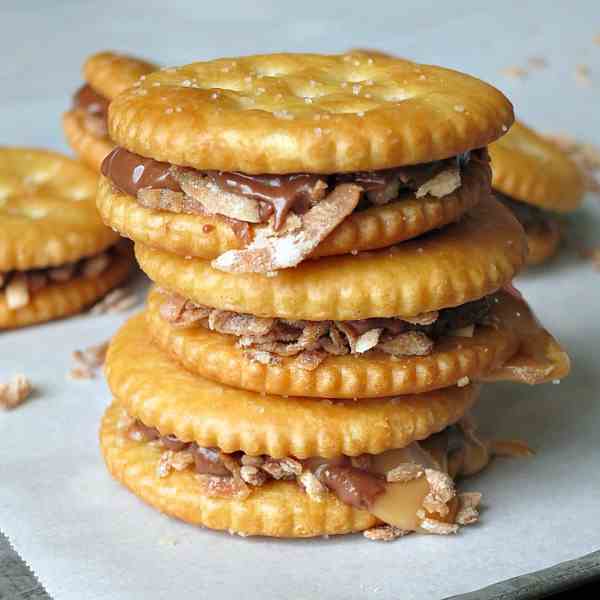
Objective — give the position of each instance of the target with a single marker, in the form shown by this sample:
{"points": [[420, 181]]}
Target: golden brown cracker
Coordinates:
{"points": [[543, 241], [460, 263], [88, 147], [58, 300], [276, 509], [208, 236], [286, 113], [534, 170], [155, 389], [48, 215], [111, 73], [375, 374]]}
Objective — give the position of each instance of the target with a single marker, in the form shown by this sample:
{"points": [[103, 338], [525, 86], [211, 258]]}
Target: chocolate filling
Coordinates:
{"points": [[528, 215], [352, 486], [93, 103], [276, 195]]}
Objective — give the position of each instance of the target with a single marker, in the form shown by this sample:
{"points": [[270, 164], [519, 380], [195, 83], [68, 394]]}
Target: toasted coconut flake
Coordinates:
{"points": [[312, 486], [437, 527], [410, 343], [426, 318], [367, 340], [404, 472], [442, 184], [463, 381], [252, 461], [164, 199], [15, 392], [441, 491], [467, 508], [171, 460], [253, 475], [266, 254], [215, 486], [385, 533], [216, 201], [262, 356], [309, 360], [17, 292], [92, 267], [282, 468], [232, 323], [93, 356]]}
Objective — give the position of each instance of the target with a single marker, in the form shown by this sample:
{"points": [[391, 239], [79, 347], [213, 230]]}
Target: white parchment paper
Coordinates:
{"points": [[87, 537]]}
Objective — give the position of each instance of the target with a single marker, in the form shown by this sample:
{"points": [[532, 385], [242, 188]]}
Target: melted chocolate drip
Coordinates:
{"points": [[131, 172]]}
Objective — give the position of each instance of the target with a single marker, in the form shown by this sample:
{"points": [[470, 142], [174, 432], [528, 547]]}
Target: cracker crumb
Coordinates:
{"points": [[15, 392], [438, 527], [87, 360], [468, 503], [582, 74], [514, 72], [385, 533], [537, 62]]}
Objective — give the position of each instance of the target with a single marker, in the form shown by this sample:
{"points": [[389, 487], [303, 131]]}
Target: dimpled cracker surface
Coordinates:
{"points": [[285, 113], [375, 374], [276, 509], [111, 73], [461, 262], [208, 236], [58, 300], [47, 210], [531, 169], [162, 394], [90, 148]]}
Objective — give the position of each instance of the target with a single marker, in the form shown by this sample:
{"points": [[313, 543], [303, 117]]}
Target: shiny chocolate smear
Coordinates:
{"points": [[278, 194], [131, 172], [87, 99], [208, 461], [352, 486]]}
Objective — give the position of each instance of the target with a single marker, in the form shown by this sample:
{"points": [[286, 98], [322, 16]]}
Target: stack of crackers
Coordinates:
{"points": [[333, 282]]}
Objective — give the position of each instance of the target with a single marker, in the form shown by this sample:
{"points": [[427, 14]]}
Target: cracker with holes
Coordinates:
{"points": [[56, 256], [260, 163], [539, 183], [106, 75]]}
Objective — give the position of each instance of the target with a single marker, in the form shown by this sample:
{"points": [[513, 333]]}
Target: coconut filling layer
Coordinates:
{"points": [[292, 213], [268, 341], [19, 287], [93, 108], [411, 488]]}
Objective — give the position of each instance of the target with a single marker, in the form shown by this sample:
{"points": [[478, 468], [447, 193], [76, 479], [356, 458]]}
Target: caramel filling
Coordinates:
{"points": [[262, 198], [409, 488], [94, 108], [268, 340], [19, 287]]}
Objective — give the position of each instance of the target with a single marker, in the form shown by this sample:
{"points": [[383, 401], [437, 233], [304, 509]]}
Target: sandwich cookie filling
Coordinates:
{"points": [[19, 287], [267, 340], [410, 488], [281, 219], [531, 217], [93, 107]]}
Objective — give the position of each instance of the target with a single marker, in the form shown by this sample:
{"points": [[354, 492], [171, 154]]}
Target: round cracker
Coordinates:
{"points": [[534, 170], [217, 357], [111, 73], [162, 394], [58, 300], [276, 509], [543, 241], [208, 236], [286, 113], [48, 215], [88, 147], [455, 265]]}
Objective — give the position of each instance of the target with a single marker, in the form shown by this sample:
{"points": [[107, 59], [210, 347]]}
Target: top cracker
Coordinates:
{"points": [[286, 113]]}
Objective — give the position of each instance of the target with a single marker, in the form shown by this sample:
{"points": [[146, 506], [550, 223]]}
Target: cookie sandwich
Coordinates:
{"points": [[539, 183], [310, 371], [106, 75], [56, 255]]}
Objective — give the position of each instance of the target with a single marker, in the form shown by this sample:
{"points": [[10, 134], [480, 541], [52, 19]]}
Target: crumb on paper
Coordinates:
{"points": [[87, 361], [537, 62], [582, 74], [117, 301], [15, 392], [384, 533], [514, 72]]}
